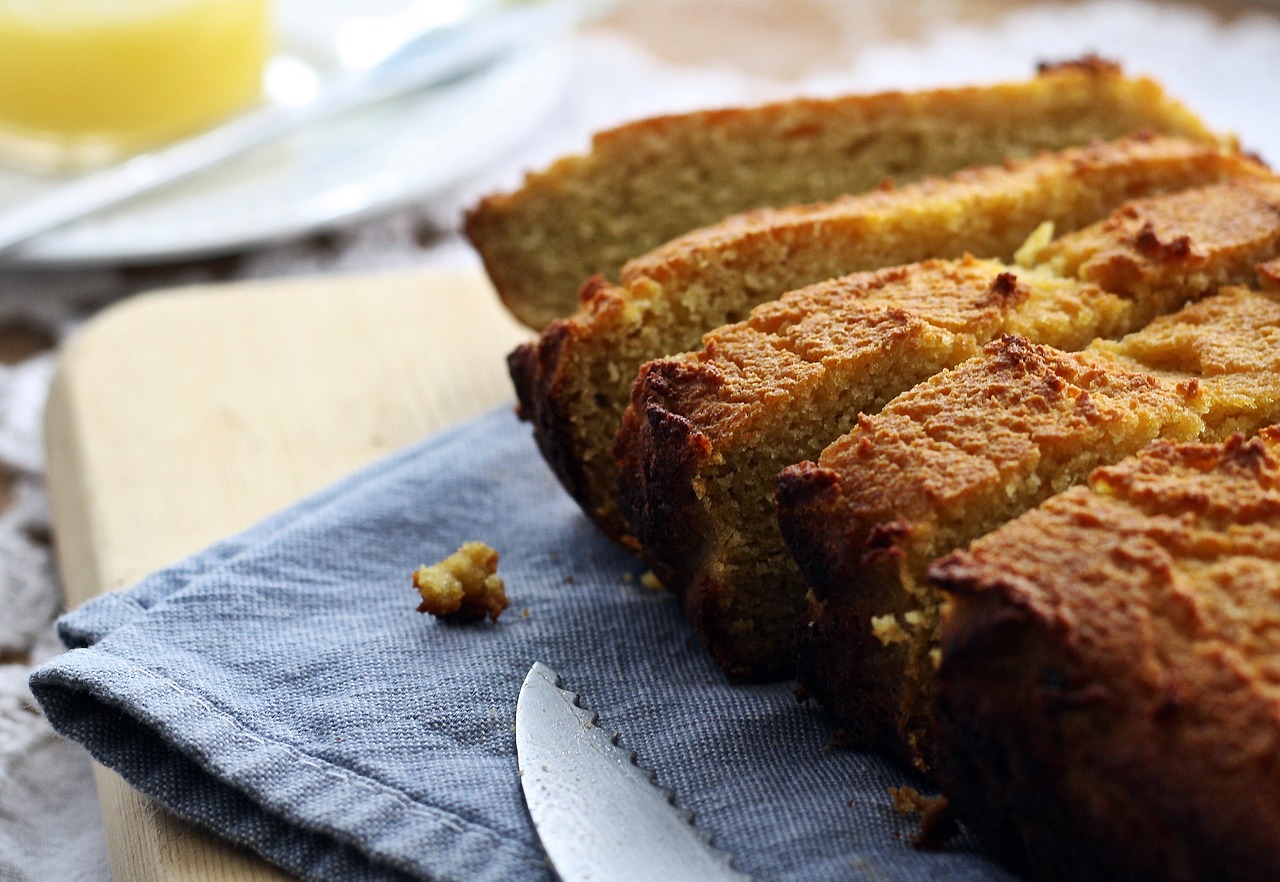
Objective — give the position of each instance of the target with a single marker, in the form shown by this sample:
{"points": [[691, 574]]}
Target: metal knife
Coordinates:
{"points": [[600, 815]]}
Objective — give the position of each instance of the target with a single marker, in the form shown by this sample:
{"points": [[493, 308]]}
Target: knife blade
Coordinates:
{"points": [[599, 814]]}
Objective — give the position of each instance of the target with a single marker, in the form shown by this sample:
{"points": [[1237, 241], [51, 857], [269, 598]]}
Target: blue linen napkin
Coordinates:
{"points": [[280, 690]]}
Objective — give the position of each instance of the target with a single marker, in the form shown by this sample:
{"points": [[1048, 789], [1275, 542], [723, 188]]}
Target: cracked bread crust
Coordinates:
{"points": [[1107, 701], [953, 458], [574, 383], [1198, 240], [931, 473], [668, 472], [707, 432]]}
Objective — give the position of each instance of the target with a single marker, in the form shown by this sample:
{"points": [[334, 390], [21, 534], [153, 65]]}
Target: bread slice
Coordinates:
{"points": [[972, 448], [645, 183], [707, 432], [1107, 703], [573, 383]]}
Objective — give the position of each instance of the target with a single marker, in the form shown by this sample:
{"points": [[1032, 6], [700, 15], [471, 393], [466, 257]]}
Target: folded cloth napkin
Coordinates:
{"points": [[280, 690]]}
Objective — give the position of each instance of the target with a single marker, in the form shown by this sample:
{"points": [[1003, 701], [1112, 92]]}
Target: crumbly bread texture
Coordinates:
{"points": [[574, 382], [1108, 705], [645, 183], [463, 587], [707, 432], [937, 821], [972, 448]]}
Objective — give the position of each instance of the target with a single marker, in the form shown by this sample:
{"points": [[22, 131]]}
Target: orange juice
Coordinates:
{"points": [[84, 82]]}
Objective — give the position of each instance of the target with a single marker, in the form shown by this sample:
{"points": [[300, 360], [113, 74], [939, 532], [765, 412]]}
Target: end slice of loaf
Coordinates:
{"points": [[574, 382], [1107, 700], [707, 432], [967, 451], [647, 182]]}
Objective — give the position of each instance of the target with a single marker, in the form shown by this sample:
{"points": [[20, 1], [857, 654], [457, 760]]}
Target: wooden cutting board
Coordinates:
{"points": [[179, 417]]}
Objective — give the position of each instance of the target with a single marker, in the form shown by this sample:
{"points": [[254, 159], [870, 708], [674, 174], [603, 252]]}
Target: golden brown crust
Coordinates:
{"points": [[1202, 238], [959, 455], [1226, 347], [543, 374], [647, 182], [707, 432], [865, 558], [954, 457], [1158, 165], [574, 384], [1107, 703]]}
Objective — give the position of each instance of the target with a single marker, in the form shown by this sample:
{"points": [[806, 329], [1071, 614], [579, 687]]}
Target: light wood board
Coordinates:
{"points": [[180, 417]]}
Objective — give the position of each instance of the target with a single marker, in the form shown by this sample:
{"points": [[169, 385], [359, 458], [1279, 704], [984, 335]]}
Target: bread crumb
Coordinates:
{"points": [[650, 581], [937, 821], [887, 630], [907, 800], [464, 586], [1029, 253]]}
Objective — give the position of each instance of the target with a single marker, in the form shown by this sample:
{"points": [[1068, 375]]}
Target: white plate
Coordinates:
{"points": [[334, 171]]}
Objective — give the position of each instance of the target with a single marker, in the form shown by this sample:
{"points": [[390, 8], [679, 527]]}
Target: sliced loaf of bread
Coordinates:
{"points": [[708, 431], [574, 382], [972, 448], [1107, 704]]}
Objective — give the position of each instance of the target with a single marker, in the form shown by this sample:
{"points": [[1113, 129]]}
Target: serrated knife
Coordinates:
{"points": [[601, 816]]}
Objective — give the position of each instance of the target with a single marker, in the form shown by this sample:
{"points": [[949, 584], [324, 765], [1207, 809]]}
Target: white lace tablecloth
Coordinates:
{"points": [[673, 56]]}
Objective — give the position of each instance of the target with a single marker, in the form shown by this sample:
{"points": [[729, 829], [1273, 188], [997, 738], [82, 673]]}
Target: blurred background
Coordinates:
{"points": [[382, 187]]}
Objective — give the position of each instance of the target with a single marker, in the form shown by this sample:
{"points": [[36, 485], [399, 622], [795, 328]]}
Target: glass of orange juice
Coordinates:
{"points": [[88, 82]]}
